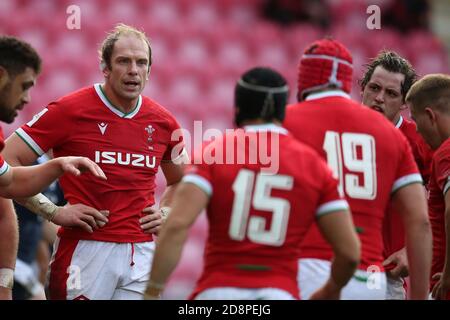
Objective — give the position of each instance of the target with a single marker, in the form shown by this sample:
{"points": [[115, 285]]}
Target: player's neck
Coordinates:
{"points": [[444, 130], [124, 105]]}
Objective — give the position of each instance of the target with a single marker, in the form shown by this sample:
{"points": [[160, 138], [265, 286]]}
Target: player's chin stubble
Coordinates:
{"points": [[6, 115]]}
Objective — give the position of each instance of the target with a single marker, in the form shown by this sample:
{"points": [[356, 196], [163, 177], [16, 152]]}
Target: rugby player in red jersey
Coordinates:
{"points": [[374, 164], [384, 85], [20, 65], [429, 100], [258, 212], [130, 137]]}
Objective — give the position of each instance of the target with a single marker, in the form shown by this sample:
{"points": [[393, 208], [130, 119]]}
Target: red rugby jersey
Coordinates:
{"points": [[369, 155], [128, 147], [256, 220]]}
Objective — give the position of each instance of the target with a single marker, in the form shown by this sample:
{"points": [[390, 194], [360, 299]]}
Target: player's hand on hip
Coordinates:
{"points": [[400, 260], [441, 289], [5, 293], [78, 165], [79, 215], [152, 221]]}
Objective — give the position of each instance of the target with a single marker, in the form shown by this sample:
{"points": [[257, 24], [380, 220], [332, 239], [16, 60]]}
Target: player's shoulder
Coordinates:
{"points": [[77, 96], [443, 152], [298, 150], [161, 117], [76, 101], [441, 160], [328, 107], [151, 106], [408, 128]]}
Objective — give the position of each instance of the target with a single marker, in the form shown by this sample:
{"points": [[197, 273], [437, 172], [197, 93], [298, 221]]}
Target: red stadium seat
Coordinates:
{"points": [[233, 57]]}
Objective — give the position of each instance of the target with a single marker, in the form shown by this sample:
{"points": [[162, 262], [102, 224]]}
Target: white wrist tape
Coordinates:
{"points": [[155, 285], [6, 278], [165, 211], [41, 205]]}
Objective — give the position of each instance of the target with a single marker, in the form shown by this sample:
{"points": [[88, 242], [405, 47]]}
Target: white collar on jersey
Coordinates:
{"points": [[114, 109], [265, 127], [399, 122], [326, 94]]}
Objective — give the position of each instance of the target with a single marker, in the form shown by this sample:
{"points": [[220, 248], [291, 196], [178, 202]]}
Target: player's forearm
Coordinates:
{"points": [[173, 174], [9, 234], [342, 270], [28, 181], [40, 205], [446, 271], [167, 254], [419, 248], [412, 205], [167, 196], [189, 202]]}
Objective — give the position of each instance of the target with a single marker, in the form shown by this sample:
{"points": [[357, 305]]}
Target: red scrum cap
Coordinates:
{"points": [[325, 62]]}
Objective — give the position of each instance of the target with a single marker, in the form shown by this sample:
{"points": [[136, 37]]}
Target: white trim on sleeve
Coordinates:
{"points": [[447, 185], [29, 141], [200, 182], [332, 206], [4, 168], [405, 180]]}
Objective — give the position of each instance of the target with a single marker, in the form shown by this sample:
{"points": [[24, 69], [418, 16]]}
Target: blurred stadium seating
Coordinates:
{"points": [[200, 47]]}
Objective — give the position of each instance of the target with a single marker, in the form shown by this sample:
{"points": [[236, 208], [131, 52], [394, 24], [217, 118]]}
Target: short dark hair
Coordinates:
{"points": [[432, 91], [16, 55], [107, 46], [261, 93], [392, 62]]}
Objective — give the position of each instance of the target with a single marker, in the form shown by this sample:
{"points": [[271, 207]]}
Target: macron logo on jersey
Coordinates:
{"points": [[102, 126]]}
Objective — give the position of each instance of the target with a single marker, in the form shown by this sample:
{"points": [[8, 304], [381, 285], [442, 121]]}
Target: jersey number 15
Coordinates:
{"points": [[261, 200]]}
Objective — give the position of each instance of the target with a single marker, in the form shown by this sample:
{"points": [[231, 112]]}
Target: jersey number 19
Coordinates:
{"points": [[342, 150]]}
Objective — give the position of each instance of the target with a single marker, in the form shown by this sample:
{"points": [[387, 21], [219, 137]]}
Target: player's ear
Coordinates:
{"points": [[403, 107], [148, 72], [104, 68], [431, 114], [4, 76]]}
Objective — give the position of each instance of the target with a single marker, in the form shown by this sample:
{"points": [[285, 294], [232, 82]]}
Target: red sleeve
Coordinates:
{"points": [[3, 165], [175, 145], [199, 172], [330, 199], [2, 140], [442, 168], [48, 129], [407, 171], [426, 156]]}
